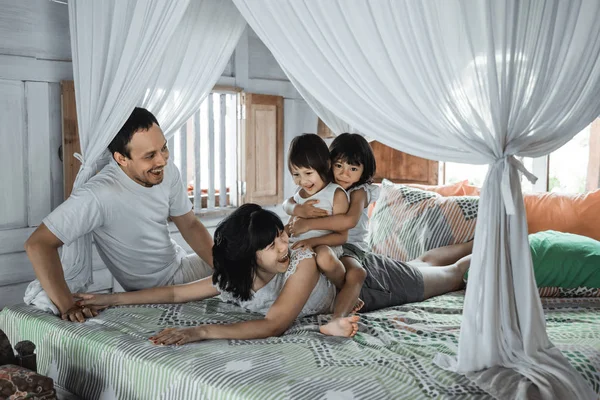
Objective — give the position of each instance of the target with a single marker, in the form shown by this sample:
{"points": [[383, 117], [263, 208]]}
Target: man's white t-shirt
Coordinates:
{"points": [[128, 222]]}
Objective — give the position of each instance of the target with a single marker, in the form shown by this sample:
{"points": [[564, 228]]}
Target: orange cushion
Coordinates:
{"points": [[451, 189], [571, 213], [470, 190]]}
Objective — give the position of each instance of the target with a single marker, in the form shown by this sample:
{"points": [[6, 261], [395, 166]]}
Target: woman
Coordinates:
{"points": [[254, 268]]}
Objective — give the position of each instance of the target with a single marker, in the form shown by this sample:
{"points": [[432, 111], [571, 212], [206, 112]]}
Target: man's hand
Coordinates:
{"points": [[79, 313], [308, 210]]}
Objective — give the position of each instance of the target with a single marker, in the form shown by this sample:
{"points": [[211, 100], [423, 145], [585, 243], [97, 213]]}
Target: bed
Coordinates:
{"points": [[391, 356]]}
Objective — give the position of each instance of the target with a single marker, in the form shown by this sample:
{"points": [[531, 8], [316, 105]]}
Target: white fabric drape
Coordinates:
{"points": [[463, 81], [194, 61], [162, 55], [333, 122]]}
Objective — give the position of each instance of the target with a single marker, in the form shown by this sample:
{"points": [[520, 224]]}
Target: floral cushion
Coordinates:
{"points": [[20, 383], [407, 221]]}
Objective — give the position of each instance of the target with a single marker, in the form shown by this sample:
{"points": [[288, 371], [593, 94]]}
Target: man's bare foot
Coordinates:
{"points": [[357, 307], [344, 326]]}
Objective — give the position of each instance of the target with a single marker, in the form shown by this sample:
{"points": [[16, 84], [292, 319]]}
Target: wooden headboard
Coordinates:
{"points": [[400, 167]]}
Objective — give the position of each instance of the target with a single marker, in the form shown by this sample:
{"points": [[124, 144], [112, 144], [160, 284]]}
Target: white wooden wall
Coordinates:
{"points": [[35, 56]]}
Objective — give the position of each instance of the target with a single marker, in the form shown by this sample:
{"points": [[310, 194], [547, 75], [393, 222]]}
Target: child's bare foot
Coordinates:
{"points": [[344, 326]]}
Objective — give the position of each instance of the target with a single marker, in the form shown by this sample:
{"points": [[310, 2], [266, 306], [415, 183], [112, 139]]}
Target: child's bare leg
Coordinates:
{"points": [[439, 280], [446, 255], [345, 302], [347, 299], [330, 266]]}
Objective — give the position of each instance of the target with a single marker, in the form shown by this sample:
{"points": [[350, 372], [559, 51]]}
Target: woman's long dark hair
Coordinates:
{"points": [[237, 239], [355, 150]]}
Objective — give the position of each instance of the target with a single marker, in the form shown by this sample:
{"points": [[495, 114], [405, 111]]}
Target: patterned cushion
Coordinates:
{"points": [[406, 221], [20, 383]]}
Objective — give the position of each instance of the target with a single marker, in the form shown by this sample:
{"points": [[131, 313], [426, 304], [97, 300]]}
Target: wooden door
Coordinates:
{"points": [[261, 166], [70, 136]]}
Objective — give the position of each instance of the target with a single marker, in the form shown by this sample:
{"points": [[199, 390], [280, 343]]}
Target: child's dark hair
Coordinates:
{"points": [[310, 151], [140, 119], [355, 150], [237, 239]]}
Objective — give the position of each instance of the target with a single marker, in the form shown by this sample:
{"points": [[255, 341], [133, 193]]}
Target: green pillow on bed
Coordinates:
{"points": [[565, 260], [565, 265]]}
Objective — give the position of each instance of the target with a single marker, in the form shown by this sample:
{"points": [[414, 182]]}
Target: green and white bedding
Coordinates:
{"points": [[391, 356]]}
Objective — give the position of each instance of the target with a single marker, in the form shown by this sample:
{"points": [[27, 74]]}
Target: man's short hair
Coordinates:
{"points": [[140, 119]]}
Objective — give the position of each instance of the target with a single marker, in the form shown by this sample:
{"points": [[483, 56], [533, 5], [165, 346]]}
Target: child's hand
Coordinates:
{"points": [[302, 244], [90, 299], [298, 226], [308, 210]]}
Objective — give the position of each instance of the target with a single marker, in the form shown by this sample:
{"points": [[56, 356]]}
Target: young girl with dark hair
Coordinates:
{"points": [[254, 267], [353, 168]]}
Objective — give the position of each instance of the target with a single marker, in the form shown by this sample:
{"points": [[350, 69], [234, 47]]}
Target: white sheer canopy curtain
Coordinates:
{"points": [[462, 81], [194, 61], [162, 55]]}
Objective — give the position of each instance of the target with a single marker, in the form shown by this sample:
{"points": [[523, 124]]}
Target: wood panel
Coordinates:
{"points": [[70, 136], [16, 267], [56, 165], [13, 155], [323, 130], [261, 62], [35, 28], [33, 69], [262, 167], [400, 167], [13, 240], [39, 201]]}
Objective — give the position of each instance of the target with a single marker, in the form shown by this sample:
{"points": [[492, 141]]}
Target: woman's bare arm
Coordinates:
{"points": [[193, 291], [280, 316]]}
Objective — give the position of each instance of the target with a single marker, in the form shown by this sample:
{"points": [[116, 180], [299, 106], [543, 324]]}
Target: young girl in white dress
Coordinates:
{"points": [[353, 168]]}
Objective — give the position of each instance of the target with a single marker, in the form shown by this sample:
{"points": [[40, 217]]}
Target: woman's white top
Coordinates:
{"points": [[321, 299], [358, 235]]}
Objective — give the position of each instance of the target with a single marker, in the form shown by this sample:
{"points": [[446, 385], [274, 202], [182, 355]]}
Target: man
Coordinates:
{"points": [[126, 207]]}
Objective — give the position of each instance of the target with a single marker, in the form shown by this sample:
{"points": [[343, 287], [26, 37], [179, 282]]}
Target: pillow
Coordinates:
{"points": [[572, 213], [452, 189], [407, 221], [470, 190], [565, 265]]}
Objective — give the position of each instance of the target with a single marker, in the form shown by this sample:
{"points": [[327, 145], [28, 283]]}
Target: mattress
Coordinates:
{"points": [[390, 358]]}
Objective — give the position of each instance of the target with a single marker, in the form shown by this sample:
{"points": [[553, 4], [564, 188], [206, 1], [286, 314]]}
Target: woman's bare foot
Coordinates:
{"points": [[344, 326], [357, 307]]}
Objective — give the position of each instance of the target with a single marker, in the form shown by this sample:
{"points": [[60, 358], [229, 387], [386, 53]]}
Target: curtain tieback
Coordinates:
{"points": [[509, 202], [80, 158]]}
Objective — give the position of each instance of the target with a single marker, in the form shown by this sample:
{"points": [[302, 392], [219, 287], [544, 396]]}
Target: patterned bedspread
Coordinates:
{"points": [[390, 357]]}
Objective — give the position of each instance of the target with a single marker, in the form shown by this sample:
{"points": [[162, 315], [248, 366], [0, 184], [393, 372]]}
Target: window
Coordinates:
{"points": [[568, 166], [223, 168], [567, 170], [206, 152]]}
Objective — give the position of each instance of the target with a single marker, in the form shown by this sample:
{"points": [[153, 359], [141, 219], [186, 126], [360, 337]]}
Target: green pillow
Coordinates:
{"points": [[565, 260]]}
